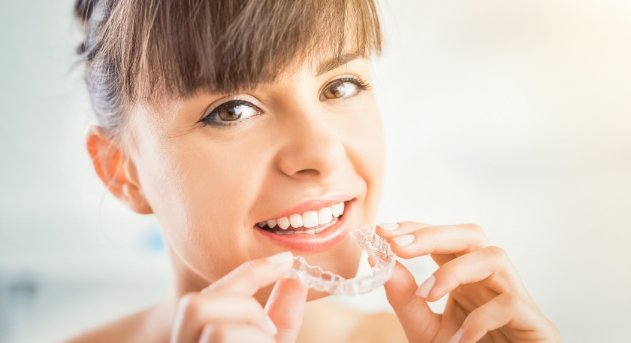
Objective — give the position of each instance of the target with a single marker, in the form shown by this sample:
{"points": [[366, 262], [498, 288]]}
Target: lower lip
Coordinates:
{"points": [[313, 243]]}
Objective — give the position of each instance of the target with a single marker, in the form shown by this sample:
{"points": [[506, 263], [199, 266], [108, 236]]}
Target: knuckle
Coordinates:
{"points": [[441, 275], [474, 228], [207, 334], [511, 301], [473, 323], [219, 333], [189, 305], [425, 236], [497, 253], [476, 231]]}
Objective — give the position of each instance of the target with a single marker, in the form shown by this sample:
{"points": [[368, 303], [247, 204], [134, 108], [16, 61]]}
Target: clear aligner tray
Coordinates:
{"points": [[325, 281]]}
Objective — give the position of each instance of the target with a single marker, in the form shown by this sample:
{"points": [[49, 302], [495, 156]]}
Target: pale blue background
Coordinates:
{"points": [[515, 115]]}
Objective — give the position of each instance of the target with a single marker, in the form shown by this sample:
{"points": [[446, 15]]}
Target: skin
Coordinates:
{"points": [[208, 187]]}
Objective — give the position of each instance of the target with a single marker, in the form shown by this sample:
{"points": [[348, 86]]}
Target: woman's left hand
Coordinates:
{"points": [[487, 300]]}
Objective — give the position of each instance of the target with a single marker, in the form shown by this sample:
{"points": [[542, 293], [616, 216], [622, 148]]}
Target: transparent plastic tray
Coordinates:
{"points": [[325, 281]]}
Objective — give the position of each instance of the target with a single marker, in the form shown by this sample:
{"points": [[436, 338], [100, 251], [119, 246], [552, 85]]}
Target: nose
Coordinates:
{"points": [[312, 150]]}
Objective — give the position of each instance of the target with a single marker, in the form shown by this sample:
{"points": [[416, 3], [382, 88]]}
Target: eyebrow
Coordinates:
{"points": [[335, 62]]}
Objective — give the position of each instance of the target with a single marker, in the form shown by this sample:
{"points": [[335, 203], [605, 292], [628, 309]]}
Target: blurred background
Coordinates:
{"points": [[515, 115]]}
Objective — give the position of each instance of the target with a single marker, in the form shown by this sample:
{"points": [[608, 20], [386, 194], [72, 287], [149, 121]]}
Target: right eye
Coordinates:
{"points": [[231, 113]]}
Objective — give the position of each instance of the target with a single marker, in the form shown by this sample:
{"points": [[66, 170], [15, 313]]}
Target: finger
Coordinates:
{"points": [[415, 239], [285, 307], [401, 227], [417, 319], [504, 309], [233, 332], [489, 264], [253, 275], [196, 310]]}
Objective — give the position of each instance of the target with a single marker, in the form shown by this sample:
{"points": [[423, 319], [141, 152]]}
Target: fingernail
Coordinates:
{"points": [[371, 261], [426, 287], [271, 326], [281, 258], [404, 240], [457, 337], [389, 226]]}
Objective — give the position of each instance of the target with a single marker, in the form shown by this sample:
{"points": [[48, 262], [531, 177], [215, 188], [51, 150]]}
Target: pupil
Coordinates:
{"points": [[338, 90], [231, 113]]}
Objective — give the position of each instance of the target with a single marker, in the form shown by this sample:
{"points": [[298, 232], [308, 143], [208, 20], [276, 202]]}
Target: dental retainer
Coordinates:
{"points": [[325, 281]]}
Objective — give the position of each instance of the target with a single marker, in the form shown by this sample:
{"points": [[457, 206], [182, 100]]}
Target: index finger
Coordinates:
{"points": [[411, 239], [253, 275]]}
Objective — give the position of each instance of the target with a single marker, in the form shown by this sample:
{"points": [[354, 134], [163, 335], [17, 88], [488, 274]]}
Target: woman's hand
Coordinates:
{"points": [[487, 300], [226, 311]]}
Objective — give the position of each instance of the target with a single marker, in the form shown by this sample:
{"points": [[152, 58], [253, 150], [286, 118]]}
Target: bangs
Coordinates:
{"points": [[174, 48]]}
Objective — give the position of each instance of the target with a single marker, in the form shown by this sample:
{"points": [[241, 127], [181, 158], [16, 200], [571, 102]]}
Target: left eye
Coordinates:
{"points": [[231, 113], [342, 88]]}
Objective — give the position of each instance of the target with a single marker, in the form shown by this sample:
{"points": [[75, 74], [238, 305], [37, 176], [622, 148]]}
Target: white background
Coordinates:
{"points": [[515, 115]]}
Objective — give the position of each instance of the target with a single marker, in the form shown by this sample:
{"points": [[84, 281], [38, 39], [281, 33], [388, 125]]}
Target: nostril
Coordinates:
{"points": [[307, 172]]}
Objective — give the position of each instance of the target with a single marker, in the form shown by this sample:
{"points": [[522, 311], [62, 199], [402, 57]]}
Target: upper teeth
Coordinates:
{"points": [[307, 219]]}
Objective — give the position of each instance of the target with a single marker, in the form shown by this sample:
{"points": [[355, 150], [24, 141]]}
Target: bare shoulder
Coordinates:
{"points": [[125, 329]]}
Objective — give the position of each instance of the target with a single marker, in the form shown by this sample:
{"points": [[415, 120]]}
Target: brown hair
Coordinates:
{"points": [[143, 50]]}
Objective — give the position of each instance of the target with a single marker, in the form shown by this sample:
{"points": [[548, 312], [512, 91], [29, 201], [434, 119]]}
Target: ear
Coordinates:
{"points": [[116, 170]]}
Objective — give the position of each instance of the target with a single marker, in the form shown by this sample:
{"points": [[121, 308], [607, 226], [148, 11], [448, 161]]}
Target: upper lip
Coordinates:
{"points": [[312, 205]]}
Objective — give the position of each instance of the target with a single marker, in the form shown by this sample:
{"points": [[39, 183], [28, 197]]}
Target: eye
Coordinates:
{"points": [[231, 113], [342, 88]]}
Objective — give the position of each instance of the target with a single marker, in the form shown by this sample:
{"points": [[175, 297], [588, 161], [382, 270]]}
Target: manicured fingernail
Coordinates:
{"points": [[281, 258], [426, 287], [457, 337], [404, 240], [271, 326], [389, 226]]}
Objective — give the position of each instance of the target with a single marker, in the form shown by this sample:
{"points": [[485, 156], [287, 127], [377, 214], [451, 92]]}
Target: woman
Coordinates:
{"points": [[249, 129]]}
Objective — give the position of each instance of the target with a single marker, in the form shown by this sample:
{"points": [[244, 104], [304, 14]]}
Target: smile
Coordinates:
{"points": [[310, 222], [314, 230]]}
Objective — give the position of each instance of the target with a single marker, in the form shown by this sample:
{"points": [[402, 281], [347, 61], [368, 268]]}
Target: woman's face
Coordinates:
{"points": [[213, 166]]}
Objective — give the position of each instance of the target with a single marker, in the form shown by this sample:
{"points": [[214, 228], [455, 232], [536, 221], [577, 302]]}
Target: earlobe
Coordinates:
{"points": [[116, 170], [133, 197], [131, 190]]}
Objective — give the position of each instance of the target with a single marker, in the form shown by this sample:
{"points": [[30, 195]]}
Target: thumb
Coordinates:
{"points": [[285, 307], [415, 315]]}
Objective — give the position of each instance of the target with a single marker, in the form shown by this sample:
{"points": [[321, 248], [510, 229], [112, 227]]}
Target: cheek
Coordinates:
{"points": [[201, 194], [374, 145], [366, 141]]}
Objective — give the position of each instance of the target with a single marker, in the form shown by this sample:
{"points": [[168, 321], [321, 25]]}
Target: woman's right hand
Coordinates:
{"points": [[226, 311]]}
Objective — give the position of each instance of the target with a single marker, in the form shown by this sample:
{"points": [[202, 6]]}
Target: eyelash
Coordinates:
{"points": [[207, 120], [359, 82]]}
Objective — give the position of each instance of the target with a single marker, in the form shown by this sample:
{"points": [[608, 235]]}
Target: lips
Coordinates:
{"points": [[314, 239]]}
